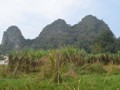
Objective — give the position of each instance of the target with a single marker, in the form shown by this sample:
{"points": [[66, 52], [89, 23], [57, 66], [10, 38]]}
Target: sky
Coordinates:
{"points": [[31, 16]]}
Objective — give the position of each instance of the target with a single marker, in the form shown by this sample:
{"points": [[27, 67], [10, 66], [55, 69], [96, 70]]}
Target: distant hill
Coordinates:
{"points": [[53, 35], [12, 40], [56, 35]]}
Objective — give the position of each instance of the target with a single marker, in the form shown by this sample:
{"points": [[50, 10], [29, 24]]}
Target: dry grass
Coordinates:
{"points": [[112, 68], [71, 71]]}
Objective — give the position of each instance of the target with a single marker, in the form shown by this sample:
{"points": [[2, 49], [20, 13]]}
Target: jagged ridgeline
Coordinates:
{"points": [[56, 35]]}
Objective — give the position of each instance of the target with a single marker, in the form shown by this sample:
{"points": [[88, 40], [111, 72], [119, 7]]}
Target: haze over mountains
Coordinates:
{"points": [[56, 35]]}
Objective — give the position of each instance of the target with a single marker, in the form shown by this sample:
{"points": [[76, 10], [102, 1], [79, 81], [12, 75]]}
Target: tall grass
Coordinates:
{"points": [[67, 68], [31, 60]]}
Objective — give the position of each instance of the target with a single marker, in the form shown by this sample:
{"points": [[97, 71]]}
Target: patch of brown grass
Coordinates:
{"points": [[112, 69], [71, 71]]}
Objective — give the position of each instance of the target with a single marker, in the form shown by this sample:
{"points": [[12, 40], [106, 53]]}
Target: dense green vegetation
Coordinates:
{"points": [[85, 56], [67, 68], [84, 82]]}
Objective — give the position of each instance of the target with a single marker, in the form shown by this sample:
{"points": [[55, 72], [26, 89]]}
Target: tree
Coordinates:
{"points": [[105, 42]]}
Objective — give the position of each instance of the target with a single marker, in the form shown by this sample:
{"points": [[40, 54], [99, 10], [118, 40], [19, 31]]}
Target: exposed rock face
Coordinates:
{"points": [[12, 38]]}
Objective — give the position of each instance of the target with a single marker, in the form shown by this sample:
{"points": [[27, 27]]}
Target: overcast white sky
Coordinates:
{"points": [[31, 16]]}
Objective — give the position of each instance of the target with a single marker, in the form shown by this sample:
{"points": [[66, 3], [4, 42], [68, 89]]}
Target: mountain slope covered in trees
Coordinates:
{"points": [[90, 33]]}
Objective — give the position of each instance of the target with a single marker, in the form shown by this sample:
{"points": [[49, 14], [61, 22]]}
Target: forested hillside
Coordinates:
{"points": [[90, 33]]}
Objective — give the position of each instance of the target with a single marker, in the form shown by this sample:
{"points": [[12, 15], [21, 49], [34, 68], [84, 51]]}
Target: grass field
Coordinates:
{"points": [[79, 80], [64, 69], [84, 82]]}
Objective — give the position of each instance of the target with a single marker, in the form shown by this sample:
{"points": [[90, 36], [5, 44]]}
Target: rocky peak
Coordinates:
{"points": [[12, 37], [13, 30], [58, 26], [59, 21], [91, 23], [89, 20]]}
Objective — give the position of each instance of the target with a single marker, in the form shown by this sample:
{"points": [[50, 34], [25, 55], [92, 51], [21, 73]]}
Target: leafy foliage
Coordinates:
{"points": [[105, 42]]}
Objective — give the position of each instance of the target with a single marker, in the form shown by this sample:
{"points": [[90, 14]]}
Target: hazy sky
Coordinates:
{"points": [[31, 16]]}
